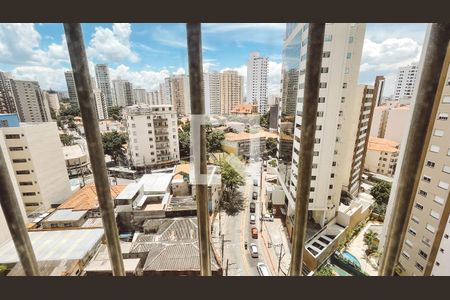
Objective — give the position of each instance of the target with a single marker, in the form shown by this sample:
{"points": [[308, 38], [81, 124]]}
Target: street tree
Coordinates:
{"points": [[214, 139], [113, 144], [67, 139], [115, 112], [381, 192], [264, 121], [232, 200], [184, 140], [271, 146]]}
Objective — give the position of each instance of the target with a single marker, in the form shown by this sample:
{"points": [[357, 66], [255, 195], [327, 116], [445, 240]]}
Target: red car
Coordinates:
{"points": [[254, 232]]}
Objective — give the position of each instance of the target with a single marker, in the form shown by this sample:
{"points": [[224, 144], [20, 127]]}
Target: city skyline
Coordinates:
{"points": [[145, 54]]}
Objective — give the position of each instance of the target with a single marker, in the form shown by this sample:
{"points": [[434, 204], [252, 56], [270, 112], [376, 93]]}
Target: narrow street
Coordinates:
{"points": [[237, 230]]}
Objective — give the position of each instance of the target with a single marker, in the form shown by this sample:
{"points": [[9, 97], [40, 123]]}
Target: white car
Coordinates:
{"points": [[262, 269], [253, 250], [267, 218], [252, 219]]}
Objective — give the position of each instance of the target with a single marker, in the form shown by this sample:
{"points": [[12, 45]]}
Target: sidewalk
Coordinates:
{"points": [[274, 234]]}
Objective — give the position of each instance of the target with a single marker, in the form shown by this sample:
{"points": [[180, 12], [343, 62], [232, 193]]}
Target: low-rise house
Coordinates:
{"points": [[381, 156]]}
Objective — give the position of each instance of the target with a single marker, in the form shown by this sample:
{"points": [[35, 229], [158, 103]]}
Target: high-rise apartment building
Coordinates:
{"points": [[357, 133], [154, 98], [231, 91], [378, 90], [104, 83], [390, 121], [52, 99], [405, 81], [333, 152], [35, 152], [425, 249], [123, 92], [179, 95], [140, 96], [71, 89], [164, 92], [7, 104], [100, 104], [30, 103], [257, 80], [153, 135], [212, 93]]}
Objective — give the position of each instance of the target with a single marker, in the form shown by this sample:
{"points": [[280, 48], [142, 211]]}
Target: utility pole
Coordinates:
{"points": [[279, 259]]}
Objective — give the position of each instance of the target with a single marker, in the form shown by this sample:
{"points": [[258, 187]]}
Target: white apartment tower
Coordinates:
{"points": [[100, 104], [35, 152], [7, 104], [52, 99], [154, 98], [426, 244], [333, 151], [30, 103], [231, 91], [104, 83], [212, 93], [257, 77], [405, 81], [140, 96], [153, 135], [180, 96], [123, 92], [71, 89]]}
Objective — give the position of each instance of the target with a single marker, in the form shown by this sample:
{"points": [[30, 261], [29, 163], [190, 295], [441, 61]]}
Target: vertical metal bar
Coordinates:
{"points": [[194, 42], [77, 53], [312, 82], [421, 122], [16, 224]]}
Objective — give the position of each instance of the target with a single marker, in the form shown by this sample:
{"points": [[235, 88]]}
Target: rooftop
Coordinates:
{"points": [[86, 198], [241, 136], [55, 245], [157, 182], [378, 144], [101, 262], [245, 108], [61, 215], [73, 152]]}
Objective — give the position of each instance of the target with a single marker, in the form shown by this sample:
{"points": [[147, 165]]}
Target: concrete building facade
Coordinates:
{"points": [[153, 135], [100, 104], [340, 68], [257, 79], [405, 81], [7, 103], [123, 92], [140, 96], [231, 91], [104, 83], [212, 93], [30, 103], [71, 88], [381, 156], [35, 152], [180, 96]]}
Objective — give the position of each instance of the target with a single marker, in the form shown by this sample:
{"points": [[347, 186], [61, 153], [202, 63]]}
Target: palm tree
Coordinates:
{"points": [[369, 240]]}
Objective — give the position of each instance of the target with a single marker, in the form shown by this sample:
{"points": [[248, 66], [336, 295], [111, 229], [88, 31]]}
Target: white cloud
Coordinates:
{"points": [[112, 45], [387, 56], [48, 77], [147, 79]]}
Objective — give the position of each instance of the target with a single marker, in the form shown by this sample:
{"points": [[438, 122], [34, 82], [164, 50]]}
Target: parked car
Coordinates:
{"points": [[255, 182], [253, 250], [262, 269], [252, 207], [252, 219], [254, 232], [267, 217], [255, 196]]}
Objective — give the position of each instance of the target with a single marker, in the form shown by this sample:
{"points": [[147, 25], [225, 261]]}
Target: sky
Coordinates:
{"points": [[146, 53]]}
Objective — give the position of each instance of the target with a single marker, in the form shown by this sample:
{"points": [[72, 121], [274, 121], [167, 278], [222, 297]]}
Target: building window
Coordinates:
{"points": [[446, 99], [434, 148], [12, 136], [426, 241], [418, 206], [419, 266], [415, 219], [320, 113], [438, 132], [349, 55], [408, 243], [439, 200], [344, 86], [323, 70], [326, 54], [443, 185], [405, 254], [15, 148], [431, 164], [22, 172], [426, 178], [350, 39], [29, 194], [443, 116], [321, 99], [19, 160], [423, 193], [435, 214], [329, 38], [25, 183], [430, 228], [323, 85]]}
